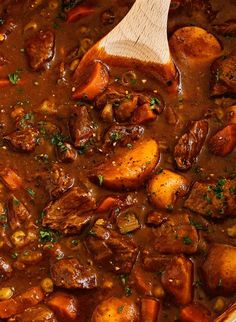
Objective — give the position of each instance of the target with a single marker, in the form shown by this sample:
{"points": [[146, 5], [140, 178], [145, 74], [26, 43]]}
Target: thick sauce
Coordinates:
{"points": [[146, 244]]}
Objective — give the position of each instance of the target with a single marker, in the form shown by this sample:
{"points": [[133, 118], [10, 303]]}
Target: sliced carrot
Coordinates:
{"points": [[149, 310], [10, 179], [107, 204], [94, 84], [195, 313], [79, 12], [21, 302], [64, 305], [144, 114]]}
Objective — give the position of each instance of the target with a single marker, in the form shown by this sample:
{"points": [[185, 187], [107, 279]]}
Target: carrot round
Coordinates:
{"points": [[107, 204], [94, 84], [79, 12], [149, 310]]}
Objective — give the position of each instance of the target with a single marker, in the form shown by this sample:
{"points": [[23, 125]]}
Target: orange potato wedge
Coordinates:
{"points": [[129, 168]]}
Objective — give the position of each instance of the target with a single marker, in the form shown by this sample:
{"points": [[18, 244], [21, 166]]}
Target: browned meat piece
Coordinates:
{"points": [[17, 213], [177, 279], [5, 268], [112, 250], [81, 126], [67, 154], [224, 141], [24, 140], [122, 135], [227, 29], [190, 144], [156, 218], [56, 181], [155, 262], [71, 274], [216, 200], [64, 305], [71, 212], [194, 8], [223, 76], [39, 313], [176, 236], [40, 49]]}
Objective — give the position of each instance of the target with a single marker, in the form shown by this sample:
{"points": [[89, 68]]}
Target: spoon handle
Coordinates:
{"points": [[142, 34]]}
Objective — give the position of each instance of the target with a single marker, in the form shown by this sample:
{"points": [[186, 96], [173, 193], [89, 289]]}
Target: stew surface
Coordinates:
{"points": [[117, 193]]}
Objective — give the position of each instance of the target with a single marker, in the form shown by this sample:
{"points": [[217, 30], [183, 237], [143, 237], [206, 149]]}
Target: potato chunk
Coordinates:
{"points": [[129, 168], [116, 310], [165, 187], [229, 315], [194, 45], [219, 269], [177, 279]]}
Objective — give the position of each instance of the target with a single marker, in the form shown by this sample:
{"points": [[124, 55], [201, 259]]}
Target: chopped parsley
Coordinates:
{"points": [[48, 235], [187, 240], [59, 140], [14, 77], [197, 225], [31, 192], [120, 309], [115, 136], [16, 202], [128, 291], [129, 146], [169, 207], [100, 180], [154, 101]]}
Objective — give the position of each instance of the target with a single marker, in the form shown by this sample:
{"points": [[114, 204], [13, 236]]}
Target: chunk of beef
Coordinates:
{"points": [[39, 313], [227, 29], [70, 213], [81, 126], [176, 236], [223, 76], [67, 154], [108, 17], [64, 305], [56, 181], [40, 49], [224, 141], [156, 218], [17, 213], [111, 250], [190, 144], [5, 268], [71, 274], [24, 140], [177, 279], [122, 135], [196, 8], [153, 262], [217, 199]]}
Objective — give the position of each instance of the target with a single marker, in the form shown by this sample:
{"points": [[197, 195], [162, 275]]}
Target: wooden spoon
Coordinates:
{"points": [[140, 39]]}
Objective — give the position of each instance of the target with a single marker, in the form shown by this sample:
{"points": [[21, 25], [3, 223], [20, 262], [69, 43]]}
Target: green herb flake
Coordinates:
{"points": [[100, 180], [115, 136], [16, 202], [59, 140], [1, 21], [14, 78], [14, 255], [128, 291], [154, 101], [129, 146], [187, 240], [31, 192], [169, 207], [197, 225], [120, 309]]}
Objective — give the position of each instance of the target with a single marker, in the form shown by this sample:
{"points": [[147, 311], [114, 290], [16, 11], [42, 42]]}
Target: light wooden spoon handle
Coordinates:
{"points": [[142, 34]]}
